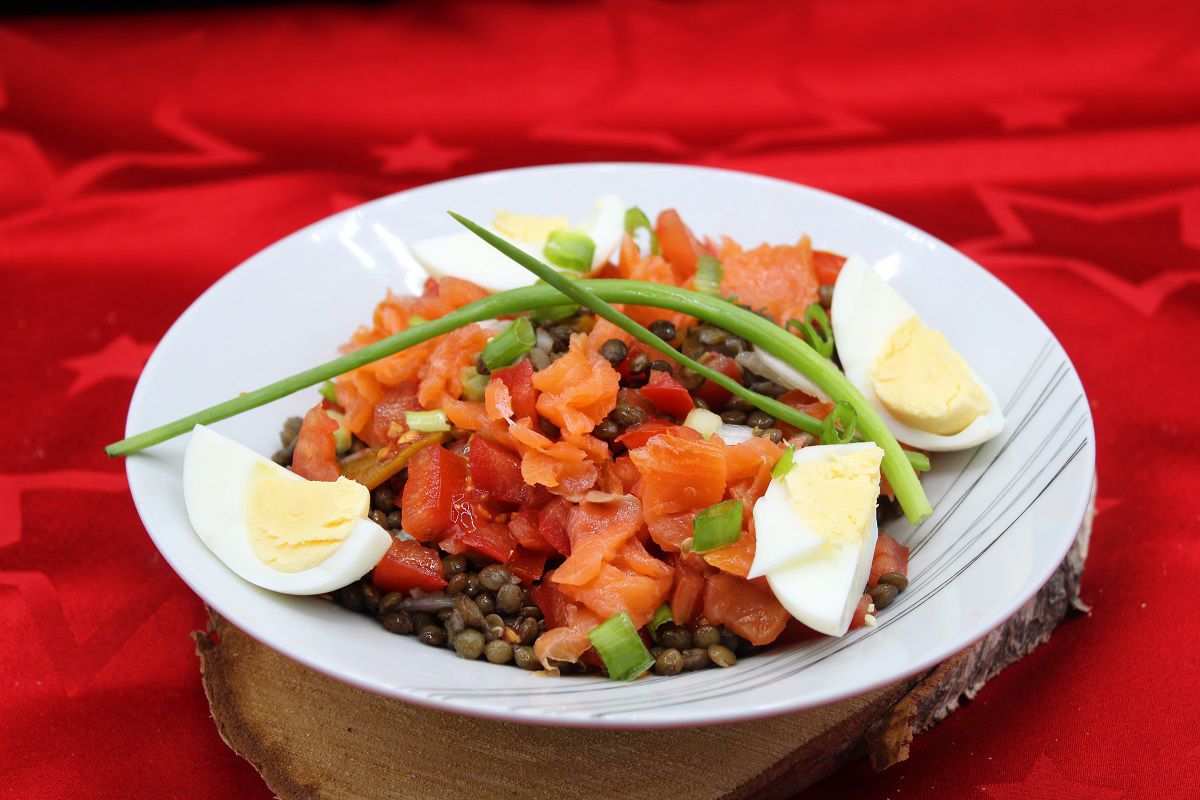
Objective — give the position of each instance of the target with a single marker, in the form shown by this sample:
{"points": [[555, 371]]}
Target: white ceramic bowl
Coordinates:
{"points": [[1005, 514]]}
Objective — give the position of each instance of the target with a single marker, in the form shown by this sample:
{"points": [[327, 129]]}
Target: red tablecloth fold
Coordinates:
{"points": [[142, 156]]}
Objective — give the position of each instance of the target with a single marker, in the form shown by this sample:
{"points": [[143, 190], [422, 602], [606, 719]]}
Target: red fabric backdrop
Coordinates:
{"points": [[142, 156]]}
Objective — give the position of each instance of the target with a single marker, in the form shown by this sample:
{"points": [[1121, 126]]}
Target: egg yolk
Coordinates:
{"points": [[836, 498], [923, 383], [527, 227], [296, 524]]}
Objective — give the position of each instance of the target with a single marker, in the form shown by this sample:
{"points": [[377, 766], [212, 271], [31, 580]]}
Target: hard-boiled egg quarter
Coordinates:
{"points": [[464, 255], [815, 531], [272, 527], [927, 394]]}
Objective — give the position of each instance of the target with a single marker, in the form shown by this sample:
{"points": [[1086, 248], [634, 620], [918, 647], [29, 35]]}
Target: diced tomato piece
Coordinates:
{"points": [[827, 266], [710, 392], [523, 525], [667, 394], [387, 418], [436, 478], [553, 603], [552, 525], [678, 244], [519, 380], [490, 539], [639, 434], [315, 456], [688, 592], [527, 565], [409, 565], [497, 471], [890, 556], [860, 613]]}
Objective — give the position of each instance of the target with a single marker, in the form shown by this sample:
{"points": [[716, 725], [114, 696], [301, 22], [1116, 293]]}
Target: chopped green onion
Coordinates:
{"points": [[553, 313], [513, 342], [635, 218], [898, 464], [784, 465], [703, 420], [570, 250], [709, 273], [843, 415], [427, 421], [328, 392], [342, 438], [474, 385], [661, 617], [717, 526], [620, 647], [821, 341]]}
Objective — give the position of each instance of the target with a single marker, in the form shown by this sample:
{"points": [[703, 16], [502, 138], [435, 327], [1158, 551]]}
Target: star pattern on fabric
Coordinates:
{"points": [[1101, 243], [123, 357], [654, 60], [155, 132], [421, 153], [77, 656], [1032, 113], [1045, 779]]}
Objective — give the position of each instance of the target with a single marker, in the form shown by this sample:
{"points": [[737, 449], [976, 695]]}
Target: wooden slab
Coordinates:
{"points": [[312, 737]]}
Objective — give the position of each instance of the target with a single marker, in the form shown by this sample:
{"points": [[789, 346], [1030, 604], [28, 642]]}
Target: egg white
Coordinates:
{"points": [[217, 476], [464, 255], [781, 536], [819, 584], [865, 313]]}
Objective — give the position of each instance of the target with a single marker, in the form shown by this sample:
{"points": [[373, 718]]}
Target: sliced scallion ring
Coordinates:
{"points": [[328, 391], [709, 273], [434, 421], [570, 250], [822, 340], [717, 526], [784, 465], [838, 427], [620, 647], [661, 617], [513, 342], [635, 219]]}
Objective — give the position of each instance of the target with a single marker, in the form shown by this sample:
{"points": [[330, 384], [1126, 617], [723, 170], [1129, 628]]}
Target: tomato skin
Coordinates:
{"points": [[688, 592], [436, 478], [667, 394], [860, 613], [497, 470], [552, 525], [890, 556], [639, 434], [523, 525], [409, 565], [490, 539], [387, 419], [551, 601], [527, 565], [827, 266], [710, 392], [519, 380], [678, 244], [315, 456]]}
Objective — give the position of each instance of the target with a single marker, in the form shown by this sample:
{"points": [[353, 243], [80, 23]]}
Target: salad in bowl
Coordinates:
{"points": [[612, 448]]}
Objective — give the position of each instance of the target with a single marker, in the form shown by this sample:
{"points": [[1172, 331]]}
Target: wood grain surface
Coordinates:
{"points": [[312, 737]]}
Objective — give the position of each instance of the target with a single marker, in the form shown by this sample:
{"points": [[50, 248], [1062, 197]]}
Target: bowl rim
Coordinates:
{"points": [[515, 714]]}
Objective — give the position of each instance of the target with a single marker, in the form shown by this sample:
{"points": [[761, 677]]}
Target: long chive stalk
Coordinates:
{"points": [[900, 473], [719, 312]]}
